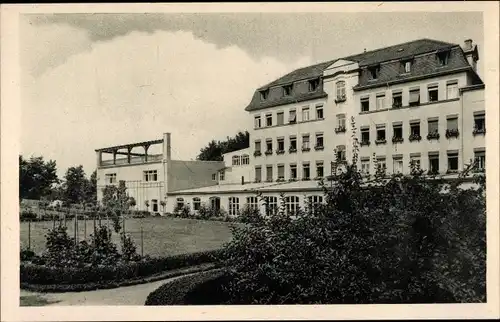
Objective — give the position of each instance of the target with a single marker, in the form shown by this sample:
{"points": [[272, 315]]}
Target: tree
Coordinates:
{"points": [[36, 177], [215, 149], [91, 188], [116, 201], [75, 185]]}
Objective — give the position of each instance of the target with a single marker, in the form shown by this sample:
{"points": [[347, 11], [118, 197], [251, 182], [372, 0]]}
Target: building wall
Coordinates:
{"points": [[422, 112], [133, 175], [473, 101], [191, 174], [234, 172]]}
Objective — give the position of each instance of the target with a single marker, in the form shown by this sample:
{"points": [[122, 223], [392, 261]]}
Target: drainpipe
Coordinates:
{"points": [[463, 131]]}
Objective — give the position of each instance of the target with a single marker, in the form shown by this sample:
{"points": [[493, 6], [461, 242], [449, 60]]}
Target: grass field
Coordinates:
{"points": [[161, 236]]}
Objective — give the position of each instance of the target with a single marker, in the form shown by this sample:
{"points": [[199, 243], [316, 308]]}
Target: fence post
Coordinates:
{"points": [[142, 241], [29, 234], [85, 227]]}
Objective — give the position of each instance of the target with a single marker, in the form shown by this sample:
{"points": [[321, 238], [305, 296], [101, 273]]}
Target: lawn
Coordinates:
{"points": [[161, 236]]}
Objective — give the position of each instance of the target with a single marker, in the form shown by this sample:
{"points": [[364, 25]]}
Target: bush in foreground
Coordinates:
{"points": [[406, 239]]}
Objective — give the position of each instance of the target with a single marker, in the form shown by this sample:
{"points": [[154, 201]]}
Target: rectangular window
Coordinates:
{"points": [[414, 97], [271, 204], [151, 175], [319, 169], [180, 203], [313, 84], [257, 146], [374, 72], [480, 160], [365, 104], [293, 171], [257, 122], [452, 90], [292, 118], [214, 176], [245, 159], [234, 206], [340, 122], [264, 94], [269, 120], [253, 203], [196, 203], [407, 66], [319, 140], [433, 93], [381, 165], [380, 101], [319, 112], [443, 57], [365, 166], [306, 173], [365, 135], [269, 173], [341, 153], [110, 178], [415, 161], [280, 118], [269, 145], [340, 87], [397, 100], [293, 143], [258, 174], [434, 163], [281, 172], [381, 134], [305, 142], [433, 126], [397, 130], [415, 128], [236, 160], [452, 161], [452, 123], [398, 165], [281, 144], [222, 175], [479, 123], [305, 114], [287, 90]]}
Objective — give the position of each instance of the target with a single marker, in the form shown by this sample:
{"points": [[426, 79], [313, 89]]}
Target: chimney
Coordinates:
{"points": [[167, 155], [471, 53]]}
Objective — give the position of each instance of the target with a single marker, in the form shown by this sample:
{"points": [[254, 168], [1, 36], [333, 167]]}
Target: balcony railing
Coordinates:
{"points": [[133, 160]]}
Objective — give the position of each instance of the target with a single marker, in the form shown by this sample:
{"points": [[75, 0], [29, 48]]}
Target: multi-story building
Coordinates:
{"points": [[420, 101]]}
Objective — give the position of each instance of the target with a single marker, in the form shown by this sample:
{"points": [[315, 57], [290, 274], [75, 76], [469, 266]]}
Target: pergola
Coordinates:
{"points": [[118, 150]]}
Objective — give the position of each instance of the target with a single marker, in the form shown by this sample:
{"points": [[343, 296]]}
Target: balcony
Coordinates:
{"points": [[340, 99], [268, 152], [380, 141], [292, 150], [433, 136], [280, 151], [415, 137], [319, 147], [132, 157], [340, 129], [365, 143], [397, 139], [257, 154], [479, 131]]}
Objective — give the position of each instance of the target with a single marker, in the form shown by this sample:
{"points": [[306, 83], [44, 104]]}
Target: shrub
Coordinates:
{"points": [[69, 275], [250, 215], [200, 289], [26, 215], [405, 239], [183, 211], [129, 249]]}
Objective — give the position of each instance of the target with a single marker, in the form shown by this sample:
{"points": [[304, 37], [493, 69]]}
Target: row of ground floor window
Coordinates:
{"points": [[435, 163], [266, 205]]}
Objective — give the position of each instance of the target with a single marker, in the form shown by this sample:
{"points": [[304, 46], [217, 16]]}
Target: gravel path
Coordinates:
{"points": [[128, 295]]}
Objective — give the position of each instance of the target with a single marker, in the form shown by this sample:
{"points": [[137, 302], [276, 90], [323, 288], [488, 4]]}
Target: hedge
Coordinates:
{"points": [[44, 275], [61, 288], [201, 289]]}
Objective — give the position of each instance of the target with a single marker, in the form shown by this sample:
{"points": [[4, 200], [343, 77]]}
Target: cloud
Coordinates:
{"points": [[136, 87]]}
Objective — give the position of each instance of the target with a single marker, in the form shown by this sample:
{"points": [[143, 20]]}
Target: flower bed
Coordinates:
{"points": [[44, 275]]}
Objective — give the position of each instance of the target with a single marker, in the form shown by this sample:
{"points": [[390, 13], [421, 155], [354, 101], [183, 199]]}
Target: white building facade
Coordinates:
{"points": [[420, 101]]}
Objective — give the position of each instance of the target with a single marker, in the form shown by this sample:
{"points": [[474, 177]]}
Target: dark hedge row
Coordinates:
{"points": [[200, 289], [61, 288], [44, 275]]}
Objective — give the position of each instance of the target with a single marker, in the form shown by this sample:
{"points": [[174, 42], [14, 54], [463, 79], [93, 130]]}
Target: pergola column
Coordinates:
{"points": [[129, 149], [99, 158], [114, 156], [146, 147]]}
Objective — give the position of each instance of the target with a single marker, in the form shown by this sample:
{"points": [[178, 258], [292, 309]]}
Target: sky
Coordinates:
{"points": [[96, 80]]}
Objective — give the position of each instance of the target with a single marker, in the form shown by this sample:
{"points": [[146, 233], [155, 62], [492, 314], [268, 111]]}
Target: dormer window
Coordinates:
{"points": [[264, 94], [313, 84], [443, 57], [374, 71], [287, 90], [406, 66]]}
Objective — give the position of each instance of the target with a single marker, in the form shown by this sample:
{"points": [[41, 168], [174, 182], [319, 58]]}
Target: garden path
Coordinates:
{"points": [[127, 295]]}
